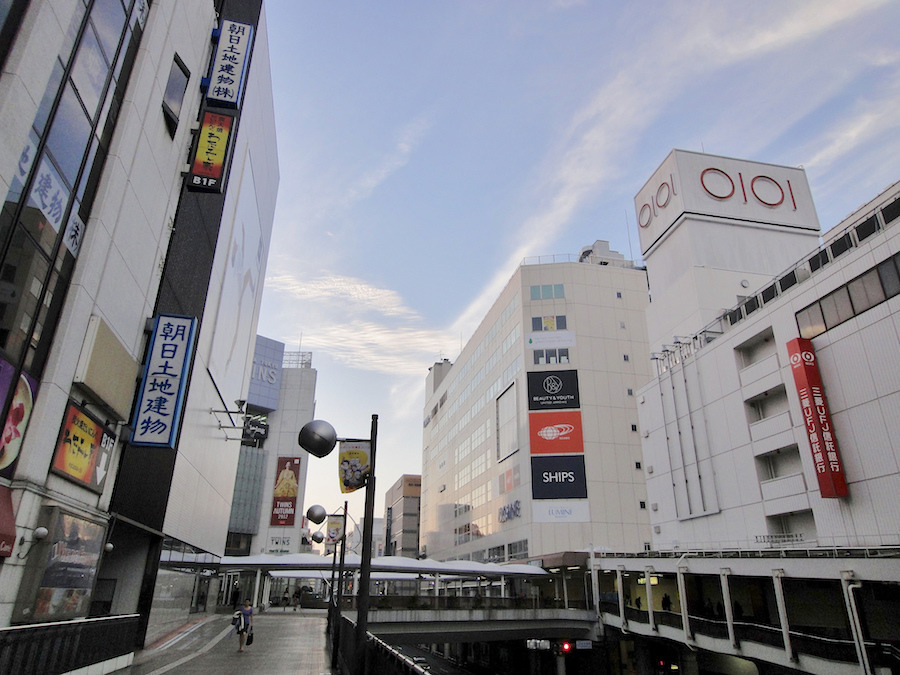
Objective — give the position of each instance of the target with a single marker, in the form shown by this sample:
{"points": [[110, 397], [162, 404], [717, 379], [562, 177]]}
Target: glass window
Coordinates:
{"points": [[891, 211], [69, 135], [561, 322], [866, 291], [48, 315], [558, 291], [537, 323], [47, 203], [810, 321], [890, 281], [547, 292], [23, 265], [108, 17], [174, 95], [90, 71], [836, 307], [552, 356], [535, 292], [564, 355], [40, 120], [539, 357]]}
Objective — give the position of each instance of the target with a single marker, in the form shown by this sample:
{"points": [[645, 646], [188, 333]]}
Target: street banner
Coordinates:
{"points": [[284, 496], [353, 464]]}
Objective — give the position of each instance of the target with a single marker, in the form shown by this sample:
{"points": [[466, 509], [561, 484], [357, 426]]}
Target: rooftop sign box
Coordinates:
{"points": [[738, 190]]}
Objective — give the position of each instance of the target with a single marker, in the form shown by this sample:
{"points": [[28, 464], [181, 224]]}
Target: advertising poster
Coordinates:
{"points": [[558, 477], [555, 432], [284, 497], [353, 467], [83, 449], [65, 588], [553, 390], [17, 417]]}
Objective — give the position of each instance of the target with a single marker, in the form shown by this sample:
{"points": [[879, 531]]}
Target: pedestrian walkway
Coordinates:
{"points": [[284, 642]]}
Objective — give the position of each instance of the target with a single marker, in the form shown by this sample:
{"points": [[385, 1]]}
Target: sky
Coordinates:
{"points": [[427, 148]]}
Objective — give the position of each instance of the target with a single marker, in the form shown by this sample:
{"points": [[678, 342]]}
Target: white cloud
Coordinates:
{"points": [[353, 294]]}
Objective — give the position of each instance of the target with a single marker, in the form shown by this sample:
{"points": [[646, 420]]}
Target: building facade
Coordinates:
{"points": [[131, 292], [770, 450], [531, 441], [267, 508], [401, 516]]}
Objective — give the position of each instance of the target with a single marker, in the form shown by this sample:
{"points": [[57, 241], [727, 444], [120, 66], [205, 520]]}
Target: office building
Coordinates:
{"points": [[401, 516], [131, 289], [531, 442]]}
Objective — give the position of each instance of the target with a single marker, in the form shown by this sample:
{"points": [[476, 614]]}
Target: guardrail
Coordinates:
{"points": [[52, 648]]}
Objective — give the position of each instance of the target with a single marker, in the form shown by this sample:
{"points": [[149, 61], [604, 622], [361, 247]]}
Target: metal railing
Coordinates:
{"points": [[51, 648]]}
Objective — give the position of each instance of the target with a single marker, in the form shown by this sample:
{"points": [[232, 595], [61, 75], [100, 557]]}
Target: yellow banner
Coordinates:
{"points": [[353, 465]]}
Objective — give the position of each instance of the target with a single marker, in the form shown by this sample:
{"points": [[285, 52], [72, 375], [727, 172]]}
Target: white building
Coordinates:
{"points": [[102, 231], [770, 430], [531, 442]]}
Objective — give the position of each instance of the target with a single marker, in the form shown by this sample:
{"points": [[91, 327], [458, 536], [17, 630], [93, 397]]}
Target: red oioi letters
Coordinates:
{"points": [[817, 419]]}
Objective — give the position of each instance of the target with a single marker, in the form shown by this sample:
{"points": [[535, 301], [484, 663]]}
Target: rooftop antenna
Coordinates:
{"points": [[300, 344]]}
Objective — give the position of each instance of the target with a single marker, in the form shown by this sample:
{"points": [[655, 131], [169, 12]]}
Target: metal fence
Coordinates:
{"points": [[52, 648]]}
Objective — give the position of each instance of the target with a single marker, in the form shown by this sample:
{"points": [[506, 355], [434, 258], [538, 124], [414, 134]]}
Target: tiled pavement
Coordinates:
{"points": [[284, 642]]}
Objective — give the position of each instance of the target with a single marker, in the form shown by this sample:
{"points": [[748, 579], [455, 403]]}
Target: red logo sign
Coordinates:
{"points": [[817, 419], [556, 432]]}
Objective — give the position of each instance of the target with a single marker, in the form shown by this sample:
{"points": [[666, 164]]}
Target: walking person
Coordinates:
{"points": [[244, 624]]}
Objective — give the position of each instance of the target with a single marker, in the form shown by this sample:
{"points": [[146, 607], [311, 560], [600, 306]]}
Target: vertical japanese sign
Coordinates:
{"points": [[83, 449], [353, 465], [211, 153], [284, 497], [157, 414], [817, 419], [229, 68]]}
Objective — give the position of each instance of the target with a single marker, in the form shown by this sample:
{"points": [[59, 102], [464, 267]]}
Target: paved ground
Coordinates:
{"points": [[284, 642]]}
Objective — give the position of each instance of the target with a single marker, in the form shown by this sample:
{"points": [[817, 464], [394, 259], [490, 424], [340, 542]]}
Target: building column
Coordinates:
{"points": [[256, 586], [849, 584], [620, 582], [726, 600], [648, 576], [689, 665], [682, 601], [782, 613]]}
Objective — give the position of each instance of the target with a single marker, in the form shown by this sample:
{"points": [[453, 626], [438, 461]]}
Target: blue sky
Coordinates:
{"points": [[426, 148]]}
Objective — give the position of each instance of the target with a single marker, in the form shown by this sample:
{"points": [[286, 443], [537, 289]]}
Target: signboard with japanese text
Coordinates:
{"points": [[552, 390], [817, 419], [353, 464], [84, 449], [157, 414], [211, 152], [555, 432], [229, 67], [284, 496]]}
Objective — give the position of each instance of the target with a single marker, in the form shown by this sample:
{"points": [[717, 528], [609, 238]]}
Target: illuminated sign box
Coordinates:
{"points": [[555, 432], [229, 68], [211, 152], [157, 414], [552, 390], [84, 449]]}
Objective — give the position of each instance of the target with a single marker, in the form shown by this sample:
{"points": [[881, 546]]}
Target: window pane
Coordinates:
{"points": [[536, 323], [535, 292], [864, 293], [48, 316], [89, 73], [810, 322], [69, 135], [24, 268], [890, 280], [547, 292], [40, 120], [47, 203], [175, 88], [563, 355], [836, 307], [108, 17], [561, 322], [538, 356], [558, 291]]}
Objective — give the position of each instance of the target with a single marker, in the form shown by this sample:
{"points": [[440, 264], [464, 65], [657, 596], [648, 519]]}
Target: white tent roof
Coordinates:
{"points": [[301, 562]]}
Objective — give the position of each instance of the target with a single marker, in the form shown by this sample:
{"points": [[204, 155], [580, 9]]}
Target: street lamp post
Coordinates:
{"points": [[319, 438]]}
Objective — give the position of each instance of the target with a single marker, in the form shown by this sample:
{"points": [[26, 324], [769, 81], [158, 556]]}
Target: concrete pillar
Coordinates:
{"points": [[726, 600], [256, 600], [648, 584], [682, 602], [620, 582], [643, 659], [689, 664], [782, 613]]}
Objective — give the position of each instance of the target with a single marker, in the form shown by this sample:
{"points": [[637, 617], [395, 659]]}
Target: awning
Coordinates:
{"points": [[7, 522]]}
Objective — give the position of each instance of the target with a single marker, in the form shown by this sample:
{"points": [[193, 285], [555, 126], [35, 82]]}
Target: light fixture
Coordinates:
{"points": [[39, 534]]}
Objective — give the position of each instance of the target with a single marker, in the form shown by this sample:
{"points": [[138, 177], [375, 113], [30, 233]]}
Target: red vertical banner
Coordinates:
{"points": [[817, 419]]}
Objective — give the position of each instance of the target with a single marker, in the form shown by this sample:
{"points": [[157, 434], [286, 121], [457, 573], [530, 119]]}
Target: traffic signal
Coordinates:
{"points": [[563, 647]]}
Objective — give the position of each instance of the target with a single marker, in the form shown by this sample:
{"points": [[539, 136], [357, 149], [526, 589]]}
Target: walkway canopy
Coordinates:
{"points": [[310, 562]]}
